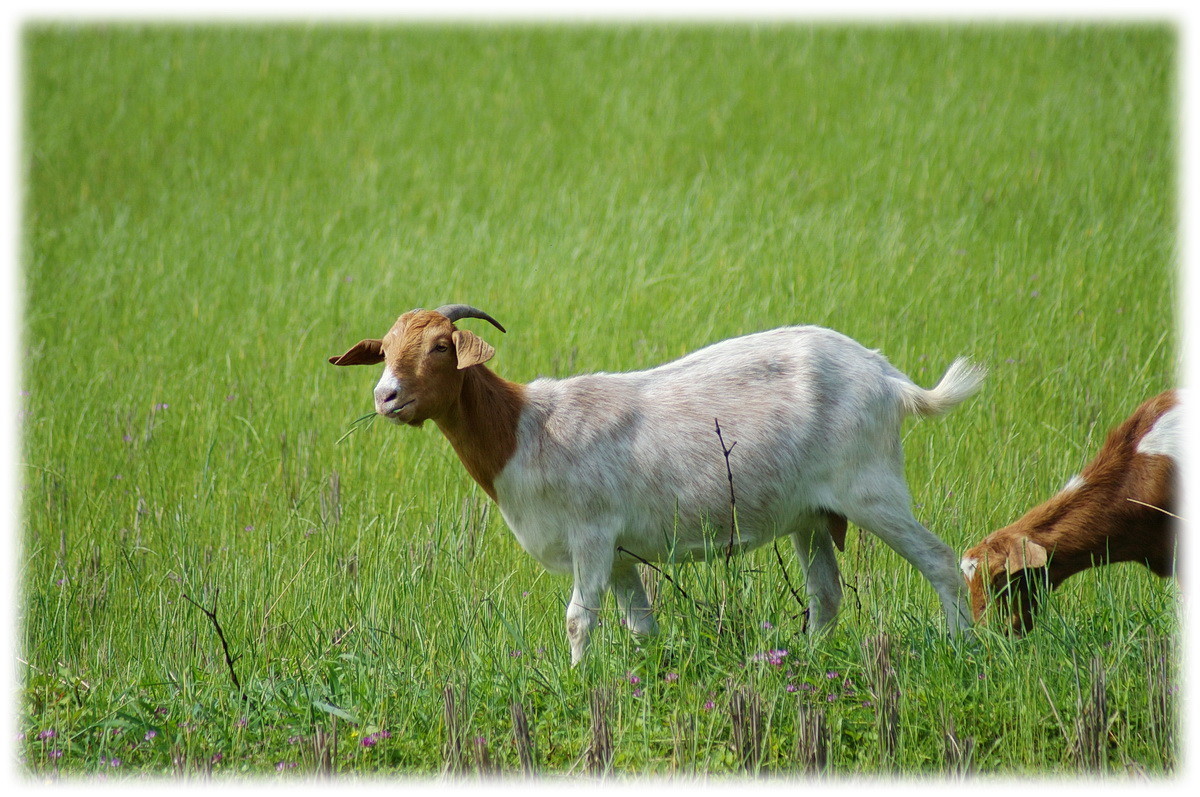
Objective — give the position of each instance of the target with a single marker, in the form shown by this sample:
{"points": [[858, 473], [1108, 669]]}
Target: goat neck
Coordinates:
{"points": [[482, 424]]}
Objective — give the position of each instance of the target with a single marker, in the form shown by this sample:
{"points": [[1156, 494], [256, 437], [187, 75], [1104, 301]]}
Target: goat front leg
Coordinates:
{"points": [[591, 569], [631, 598]]}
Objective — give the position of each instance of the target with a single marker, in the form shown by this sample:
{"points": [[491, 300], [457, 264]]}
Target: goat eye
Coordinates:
{"points": [[441, 347]]}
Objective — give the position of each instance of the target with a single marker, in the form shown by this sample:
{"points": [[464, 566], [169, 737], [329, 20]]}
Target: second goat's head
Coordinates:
{"points": [[424, 356]]}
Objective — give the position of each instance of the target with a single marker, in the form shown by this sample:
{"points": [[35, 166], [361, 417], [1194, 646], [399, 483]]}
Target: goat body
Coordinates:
{"points": [[594, 472], [1120, 508]]}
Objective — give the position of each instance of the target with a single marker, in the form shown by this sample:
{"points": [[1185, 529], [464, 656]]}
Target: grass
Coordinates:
{"points": [[212, 211]]}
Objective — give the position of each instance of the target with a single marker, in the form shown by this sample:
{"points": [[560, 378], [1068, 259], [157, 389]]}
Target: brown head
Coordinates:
{"points": [[425, 356], [1004, 572]]}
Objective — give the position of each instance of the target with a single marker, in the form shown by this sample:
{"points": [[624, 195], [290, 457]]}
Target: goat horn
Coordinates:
{"points": [[456, 311]]}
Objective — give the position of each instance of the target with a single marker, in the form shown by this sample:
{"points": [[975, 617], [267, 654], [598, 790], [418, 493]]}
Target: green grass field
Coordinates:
{"points": [[210, 212]]}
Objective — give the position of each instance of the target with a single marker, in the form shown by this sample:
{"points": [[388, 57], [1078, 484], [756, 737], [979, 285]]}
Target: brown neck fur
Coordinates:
{"points": [[1098, 519], [482, 424]]}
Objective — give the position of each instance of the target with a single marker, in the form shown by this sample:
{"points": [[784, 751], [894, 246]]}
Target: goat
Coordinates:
{"points": [[595, 472], [1119, 509]]}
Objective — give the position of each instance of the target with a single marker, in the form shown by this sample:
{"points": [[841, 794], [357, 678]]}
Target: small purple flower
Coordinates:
{"points": [[118, 477], [774, 657], [249, 528], [162, 711], [295, 739], [637, 692], [831, 674], [709, 705], [161, 406], [150, 734], [830, 698], [369, 741], [633, 679], [46, 734], [216, 758], [807, 687], [792, 688], [55, 753], [241, 723], [116, 762], [515, 654], [282, 765], [866, 704], [767, 625], [981, 676], [128, 438], [385, 734], [1034, 294], [671, 677]]}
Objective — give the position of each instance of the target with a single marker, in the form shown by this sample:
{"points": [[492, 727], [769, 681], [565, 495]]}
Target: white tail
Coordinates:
{"points": [[960, 382]]}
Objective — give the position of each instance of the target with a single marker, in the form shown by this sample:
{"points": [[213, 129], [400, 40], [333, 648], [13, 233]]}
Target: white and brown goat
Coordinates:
{"points": [[596, 472], [1120, 508]]}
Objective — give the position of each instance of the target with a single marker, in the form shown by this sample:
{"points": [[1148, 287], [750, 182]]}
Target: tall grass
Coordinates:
{"points": [[212, 211]]}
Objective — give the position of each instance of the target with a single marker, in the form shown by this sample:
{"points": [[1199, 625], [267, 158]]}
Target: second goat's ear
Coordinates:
{"points": [[365, 352], [1026, 553], [472, 350]]}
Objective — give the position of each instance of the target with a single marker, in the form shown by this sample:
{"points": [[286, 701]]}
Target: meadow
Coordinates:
{"points": [[223, 575]]}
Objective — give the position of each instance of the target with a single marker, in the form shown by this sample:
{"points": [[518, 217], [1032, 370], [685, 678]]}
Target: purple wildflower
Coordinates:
{"points": [[249, 528], [385, 734], [295, 739], [792, 688], [369, 741], [633, 679], [282, 765], [241, 723], [637, 692], [671, 677], [830, 698], [150, 734], [831, 674], [115, 762], [774, 657], [216, 758], [46, 734], [515, 654], [55, 753], [767, 625], [709, 705], [128, 438]]}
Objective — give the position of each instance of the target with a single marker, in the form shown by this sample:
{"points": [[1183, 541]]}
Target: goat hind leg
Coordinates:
{"points": [[886, 512], [631, 598], [822, 581]]}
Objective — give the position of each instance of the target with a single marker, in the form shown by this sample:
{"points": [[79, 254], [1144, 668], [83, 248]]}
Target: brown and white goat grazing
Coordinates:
{"points": [[596, 472], [1121, 508]]}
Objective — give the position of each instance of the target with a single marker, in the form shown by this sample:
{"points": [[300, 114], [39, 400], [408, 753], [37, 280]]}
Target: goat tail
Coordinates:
{"points": [[962, 379]]}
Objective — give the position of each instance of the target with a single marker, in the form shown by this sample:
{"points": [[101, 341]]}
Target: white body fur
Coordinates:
{"points": [[632, 460]]}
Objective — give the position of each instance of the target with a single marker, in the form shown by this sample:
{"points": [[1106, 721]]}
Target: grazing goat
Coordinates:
{"points": [[1119, 509], [596, 472]]}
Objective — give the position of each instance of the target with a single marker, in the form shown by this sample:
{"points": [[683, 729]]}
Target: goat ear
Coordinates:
{"points": [[365, 352], [472, 350], [1025, 553]]}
